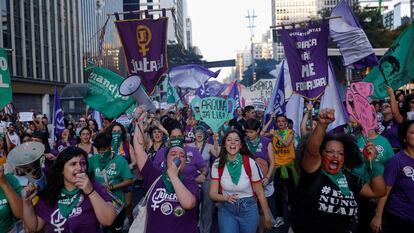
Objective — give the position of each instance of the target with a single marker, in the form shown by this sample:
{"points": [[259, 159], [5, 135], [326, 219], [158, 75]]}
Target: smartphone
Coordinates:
{"points": [[177, 161]]}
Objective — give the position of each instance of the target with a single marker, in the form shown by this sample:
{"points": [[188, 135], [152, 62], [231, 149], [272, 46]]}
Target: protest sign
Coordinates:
{"points": [[396, 65], [358, 106], [25, 116], [145, 46], [307, 55], [103, 93], [261, 91], [214, 111], [5, 83]]}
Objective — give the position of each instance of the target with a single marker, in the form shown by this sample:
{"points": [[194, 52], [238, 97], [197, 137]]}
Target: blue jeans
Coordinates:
{"points": [[241, 217], [207, 209]]}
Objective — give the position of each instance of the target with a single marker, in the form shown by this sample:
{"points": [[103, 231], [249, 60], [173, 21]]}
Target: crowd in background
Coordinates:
{"points": [[257, 172]]}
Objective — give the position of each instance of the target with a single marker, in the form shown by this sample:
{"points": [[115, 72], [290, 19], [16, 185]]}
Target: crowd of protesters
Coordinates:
{"points": [[252, 175]]}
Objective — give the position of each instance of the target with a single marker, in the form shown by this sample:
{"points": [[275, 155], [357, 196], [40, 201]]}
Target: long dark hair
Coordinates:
{"points": [[402, 132], [244, 150], [111, 127], [54, 179]]}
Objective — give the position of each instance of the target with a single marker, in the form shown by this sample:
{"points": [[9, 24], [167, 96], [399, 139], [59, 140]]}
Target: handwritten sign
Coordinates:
{"points": [[214, 111], [25, 116], [358, 106]]}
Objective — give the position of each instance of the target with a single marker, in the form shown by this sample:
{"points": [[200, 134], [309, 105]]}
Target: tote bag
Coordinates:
{"points": [[140, 222]]}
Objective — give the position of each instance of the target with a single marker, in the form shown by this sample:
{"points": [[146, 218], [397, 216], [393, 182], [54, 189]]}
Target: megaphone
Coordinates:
{"points": [[131, 86], [26, 160]]}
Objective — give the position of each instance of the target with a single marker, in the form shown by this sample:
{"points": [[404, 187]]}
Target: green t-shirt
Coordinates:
{"points": [[384, 150], [117, 171], [7, 220]]}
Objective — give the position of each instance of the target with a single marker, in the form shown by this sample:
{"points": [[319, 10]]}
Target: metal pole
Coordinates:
{"points": [[141, 11], [304, 21]]}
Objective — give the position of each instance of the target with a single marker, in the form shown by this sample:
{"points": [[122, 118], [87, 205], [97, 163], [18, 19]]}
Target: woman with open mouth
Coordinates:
{"points": [[326, 194], [70, 201]]}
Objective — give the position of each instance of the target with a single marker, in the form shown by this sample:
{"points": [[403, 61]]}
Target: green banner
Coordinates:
{"points": [[103, 93], [396, 65], [5, 83]]}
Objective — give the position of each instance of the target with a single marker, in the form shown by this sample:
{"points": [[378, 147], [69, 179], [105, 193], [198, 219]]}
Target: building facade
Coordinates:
{"points": [[46, 42]]}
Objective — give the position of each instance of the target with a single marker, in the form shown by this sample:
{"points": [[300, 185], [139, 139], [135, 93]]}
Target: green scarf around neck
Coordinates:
{"points": [[68, 200], [340, 181], [283, 134], [167, 182], [235, 167], [104, 159], [253, 145], [116, 141]]}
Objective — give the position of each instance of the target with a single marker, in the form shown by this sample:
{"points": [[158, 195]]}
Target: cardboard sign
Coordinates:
{"points": [[358, 106], [214, 111], [25, 116]]}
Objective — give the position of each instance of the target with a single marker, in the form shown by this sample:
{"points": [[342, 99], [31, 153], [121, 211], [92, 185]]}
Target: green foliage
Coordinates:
{"points": [[177, 55]]}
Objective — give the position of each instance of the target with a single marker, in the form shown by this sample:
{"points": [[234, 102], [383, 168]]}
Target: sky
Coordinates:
{"points": [[219, 27]]}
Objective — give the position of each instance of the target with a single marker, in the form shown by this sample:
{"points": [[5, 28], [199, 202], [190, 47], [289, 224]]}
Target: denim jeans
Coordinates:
{"points": [[241, 217], [207, 208]]}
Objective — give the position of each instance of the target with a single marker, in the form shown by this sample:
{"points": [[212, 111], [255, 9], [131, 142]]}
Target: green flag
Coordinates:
{"points": [[5, 83], [103, 93], [172, 95], [396, 65]]}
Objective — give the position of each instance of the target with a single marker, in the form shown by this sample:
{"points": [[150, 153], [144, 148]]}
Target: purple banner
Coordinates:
{"points": [[307, 56], [145, 46]]}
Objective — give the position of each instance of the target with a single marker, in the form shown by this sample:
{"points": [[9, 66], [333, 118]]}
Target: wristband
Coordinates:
{"points": [[93, 190]]}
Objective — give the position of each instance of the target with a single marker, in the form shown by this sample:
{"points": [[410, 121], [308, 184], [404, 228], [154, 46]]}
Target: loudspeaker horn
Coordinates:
{"points": [[131, 86]]}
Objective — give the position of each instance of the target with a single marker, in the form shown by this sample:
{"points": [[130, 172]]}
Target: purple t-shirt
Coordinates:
{"points": [[261, 151], [81, 220], [389, 130], [164, 212], [195, 161], [399, 173]]}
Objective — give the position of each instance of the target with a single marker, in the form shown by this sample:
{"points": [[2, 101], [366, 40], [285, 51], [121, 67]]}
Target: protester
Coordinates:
{"points": [[285, 176], [209, 152], [121, 147], [70, 201], [263, 154], [93, 126], [155, 141], [64, 141], [235, 181], [325, 198], [10, 201], [111, 170], [85, 141], [172, 203], [12, 135], [399, 180]]}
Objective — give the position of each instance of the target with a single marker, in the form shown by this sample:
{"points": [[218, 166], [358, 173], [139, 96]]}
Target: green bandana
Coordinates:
{"points": [[116, 141], [167, 182], [339, 180], [283, 135], [253, 145], [68, 200], [105, 158], [235, 168], [177, 141]]}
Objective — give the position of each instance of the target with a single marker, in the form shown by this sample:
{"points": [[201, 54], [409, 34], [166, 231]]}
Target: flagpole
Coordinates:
{"points": [[383, 75], [172, 9], [303, 21]]}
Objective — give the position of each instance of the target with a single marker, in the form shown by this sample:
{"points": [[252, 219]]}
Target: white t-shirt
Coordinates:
{"points": [[243, 188], [14, 138]]}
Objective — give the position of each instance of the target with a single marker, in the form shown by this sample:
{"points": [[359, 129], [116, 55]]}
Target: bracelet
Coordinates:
{"points": [[93, 190]]}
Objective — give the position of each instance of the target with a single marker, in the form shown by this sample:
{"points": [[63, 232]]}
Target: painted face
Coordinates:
{"points": [[177, 152], [72, 167], [281, 123], [333, 157], [409, 137], [199, 135], [233, 144], [85, 136], [252, 134], [157, 135]]}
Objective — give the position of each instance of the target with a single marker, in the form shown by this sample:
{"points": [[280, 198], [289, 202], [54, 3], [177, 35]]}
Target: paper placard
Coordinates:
{"points": [[25, 116], [214, 111], [410, 116]]}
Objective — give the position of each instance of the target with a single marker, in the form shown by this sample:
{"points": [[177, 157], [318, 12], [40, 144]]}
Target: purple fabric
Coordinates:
{"points": [[81, 220], [192, 167], [210, 88], [234, 94], [57, 120], [399, 173], [307, 56], [277, 103], [145, 46], [164, 212], [190, 76], [262, 149], [390, 132]]}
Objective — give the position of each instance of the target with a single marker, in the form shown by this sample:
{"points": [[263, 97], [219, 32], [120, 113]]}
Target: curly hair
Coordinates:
{"points": [[54, 179], [352, 158], [244, 150], [402, 132]]}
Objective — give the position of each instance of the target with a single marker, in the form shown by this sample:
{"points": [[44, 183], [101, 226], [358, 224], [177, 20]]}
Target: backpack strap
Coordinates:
{"points": [[220, 174]]}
